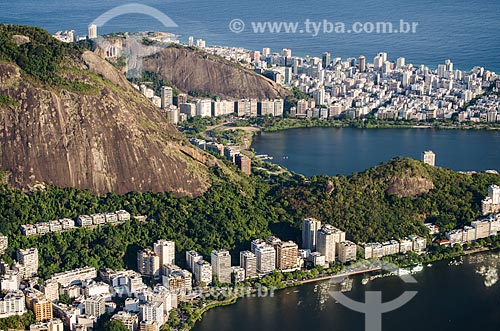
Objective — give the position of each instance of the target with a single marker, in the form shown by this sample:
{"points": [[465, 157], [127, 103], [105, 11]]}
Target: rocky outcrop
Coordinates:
{"points": [[195, 70], [101, 67], [106, 139], [405, 187]]}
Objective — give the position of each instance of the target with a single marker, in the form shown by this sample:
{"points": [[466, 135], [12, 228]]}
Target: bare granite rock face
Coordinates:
{"points": [[194, 70], [100, 66], [109, 139], [404, 186]]}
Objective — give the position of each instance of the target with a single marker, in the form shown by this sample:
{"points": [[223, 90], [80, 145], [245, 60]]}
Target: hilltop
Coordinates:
{"points": [[70, 119], [392, 199]]}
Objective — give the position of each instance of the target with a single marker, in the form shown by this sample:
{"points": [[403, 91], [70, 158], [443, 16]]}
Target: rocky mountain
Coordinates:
{"points": [[195, 70], [69, 119]]}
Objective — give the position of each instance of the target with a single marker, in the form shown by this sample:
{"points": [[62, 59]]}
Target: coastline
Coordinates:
{"points": [[287, 123], [293, 283]]}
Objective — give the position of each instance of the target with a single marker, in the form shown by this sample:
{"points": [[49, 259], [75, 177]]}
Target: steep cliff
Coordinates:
{"points": [[195, 70], [68, 118]]}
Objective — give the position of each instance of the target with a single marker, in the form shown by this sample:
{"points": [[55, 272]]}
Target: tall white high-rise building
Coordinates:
{"points": [[428, 157], [200, 43], [153, 312], [167, 96], [405, 79], [400, 62], [319, 96], [92, 31], [441, 70], [310, 227], [165, 249], [204, 108], [191, 41], [494, 194], [191, 258], [449, 65], [377, 62], [266, 259], [362, 63], [221, 265]]}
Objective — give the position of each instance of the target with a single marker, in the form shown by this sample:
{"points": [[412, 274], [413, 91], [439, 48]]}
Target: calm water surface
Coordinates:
{"points": [[316, 151], [450, 298]]}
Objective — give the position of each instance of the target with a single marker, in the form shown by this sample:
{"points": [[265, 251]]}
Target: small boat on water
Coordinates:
{"points": [[417, 268], [402, 272], [365, 281]]}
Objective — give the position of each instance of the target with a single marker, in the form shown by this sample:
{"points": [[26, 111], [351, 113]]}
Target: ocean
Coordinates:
{"points": [[464, 31]]}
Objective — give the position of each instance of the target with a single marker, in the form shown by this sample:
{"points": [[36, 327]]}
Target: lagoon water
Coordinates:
{"points": [[332, 151], [464, 31], [450, 298]]}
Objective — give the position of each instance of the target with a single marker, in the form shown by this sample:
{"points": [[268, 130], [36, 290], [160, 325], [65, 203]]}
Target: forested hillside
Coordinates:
{"points": [[367, 205]]}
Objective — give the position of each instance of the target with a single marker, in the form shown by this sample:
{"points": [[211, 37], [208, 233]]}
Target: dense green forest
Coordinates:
{"points": [[361, 205], [231, 214], [40, 57]]}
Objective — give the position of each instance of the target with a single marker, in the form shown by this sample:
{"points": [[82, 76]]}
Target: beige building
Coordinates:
{"points": [[491, 204], [405, 245], [287, 255], [329, 238], [374, 250], [149, 326], [28, 258], [469, 234], [248, 261], [4, 243], [51, 290], [482, 228], [55, 324], [419, 244], [131, 321], [347, 251]]}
